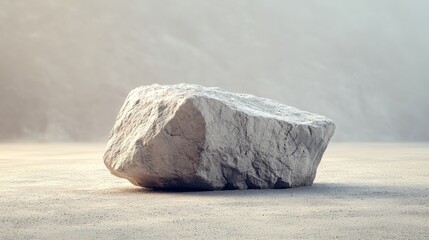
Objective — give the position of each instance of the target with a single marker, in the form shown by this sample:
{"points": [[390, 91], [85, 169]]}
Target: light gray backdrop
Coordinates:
{"points": [[66, 66]]}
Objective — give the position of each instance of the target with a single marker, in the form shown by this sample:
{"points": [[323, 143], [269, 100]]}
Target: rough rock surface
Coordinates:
{"points": [[191, 137]]}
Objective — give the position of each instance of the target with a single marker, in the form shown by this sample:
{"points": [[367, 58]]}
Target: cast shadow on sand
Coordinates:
{"points": [[328, 190]]}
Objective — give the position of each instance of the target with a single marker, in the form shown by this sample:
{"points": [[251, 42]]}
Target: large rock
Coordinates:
{"points": [[192, 137]]}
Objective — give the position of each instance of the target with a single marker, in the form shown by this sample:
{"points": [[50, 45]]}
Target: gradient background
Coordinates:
{"points": [[67, 66]]}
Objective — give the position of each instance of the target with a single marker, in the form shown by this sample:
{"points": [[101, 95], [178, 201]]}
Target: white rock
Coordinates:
{"points": [[192, 137]]}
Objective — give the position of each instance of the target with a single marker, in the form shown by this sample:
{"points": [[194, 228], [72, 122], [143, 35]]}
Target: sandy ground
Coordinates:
{"points": [[362, 191]]}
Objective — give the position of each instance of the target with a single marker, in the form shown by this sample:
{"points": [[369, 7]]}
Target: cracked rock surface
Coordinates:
{"points": [[191, 137]]}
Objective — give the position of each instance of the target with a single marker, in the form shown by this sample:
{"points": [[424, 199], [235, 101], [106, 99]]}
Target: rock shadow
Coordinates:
{"points": [[317, 190]]}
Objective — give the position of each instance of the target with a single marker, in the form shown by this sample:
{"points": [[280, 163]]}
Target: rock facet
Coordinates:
{"points": [[191, 137]]}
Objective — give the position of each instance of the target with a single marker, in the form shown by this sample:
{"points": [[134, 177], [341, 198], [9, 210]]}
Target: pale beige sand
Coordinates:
{"points": [[362, 191]]}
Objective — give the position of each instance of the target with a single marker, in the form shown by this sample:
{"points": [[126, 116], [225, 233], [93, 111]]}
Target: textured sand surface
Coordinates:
{"points": [[361, 191]]}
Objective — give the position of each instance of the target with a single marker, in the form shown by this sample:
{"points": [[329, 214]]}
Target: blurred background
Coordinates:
{"points": [[67, 66]]}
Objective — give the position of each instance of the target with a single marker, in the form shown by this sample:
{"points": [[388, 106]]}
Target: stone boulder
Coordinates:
{"points": [[192, 137]]}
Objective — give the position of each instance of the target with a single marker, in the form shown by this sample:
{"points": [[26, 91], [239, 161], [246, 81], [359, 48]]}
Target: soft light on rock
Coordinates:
{"points": [[192, 137]]}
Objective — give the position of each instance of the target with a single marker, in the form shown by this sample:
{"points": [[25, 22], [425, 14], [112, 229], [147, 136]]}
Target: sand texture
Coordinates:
{"points": [[361, 191]]}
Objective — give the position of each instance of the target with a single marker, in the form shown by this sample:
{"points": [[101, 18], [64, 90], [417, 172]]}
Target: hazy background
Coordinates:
{"points": [[67, 66]]}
